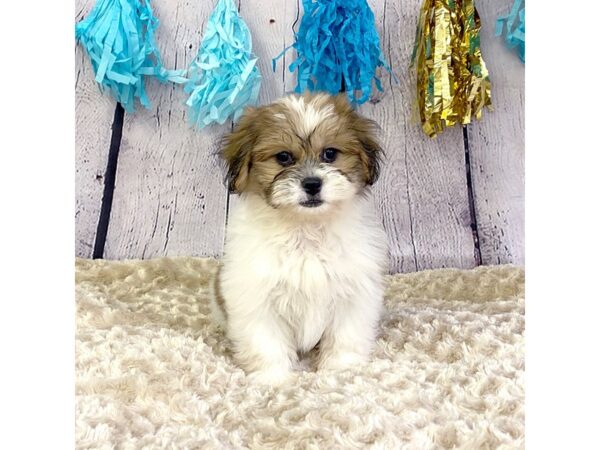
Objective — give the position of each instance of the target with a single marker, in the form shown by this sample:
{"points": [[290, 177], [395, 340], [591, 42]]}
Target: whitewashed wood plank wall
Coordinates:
{"points": [[455, 201]]}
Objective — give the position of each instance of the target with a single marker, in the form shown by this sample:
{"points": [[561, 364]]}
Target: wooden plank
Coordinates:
{"points": [[170, 198], [271, 29], [497, 145], [422, 193], [94, 116]]}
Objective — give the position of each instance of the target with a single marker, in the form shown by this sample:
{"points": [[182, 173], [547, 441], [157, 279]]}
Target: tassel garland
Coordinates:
{"points": [[452, 80], [223, 78], [118, 36], [338, 49], [514, 31]]}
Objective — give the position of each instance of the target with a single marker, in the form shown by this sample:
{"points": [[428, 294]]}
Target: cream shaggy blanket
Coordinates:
{"points": [[152, 371]]}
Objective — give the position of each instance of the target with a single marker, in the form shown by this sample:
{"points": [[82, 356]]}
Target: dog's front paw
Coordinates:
{"points": [[341, 360], [270, 377]]}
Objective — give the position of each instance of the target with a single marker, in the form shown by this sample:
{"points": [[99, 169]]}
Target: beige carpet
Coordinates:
{"points": [[153, 372]]}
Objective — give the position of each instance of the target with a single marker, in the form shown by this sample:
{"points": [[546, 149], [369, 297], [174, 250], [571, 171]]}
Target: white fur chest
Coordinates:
{"points": [[309, 282], [300, 273]]}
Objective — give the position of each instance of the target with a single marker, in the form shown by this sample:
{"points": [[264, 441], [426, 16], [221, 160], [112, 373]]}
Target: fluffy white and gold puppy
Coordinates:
{"points": [[305, 253]]}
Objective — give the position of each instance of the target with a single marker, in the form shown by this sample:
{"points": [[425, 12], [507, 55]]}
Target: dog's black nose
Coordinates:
{"points": [[312, 185]]}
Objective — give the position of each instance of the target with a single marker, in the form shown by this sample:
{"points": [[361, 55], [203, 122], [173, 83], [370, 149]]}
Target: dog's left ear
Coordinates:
{"points": [[365, 131], [372, 154]]}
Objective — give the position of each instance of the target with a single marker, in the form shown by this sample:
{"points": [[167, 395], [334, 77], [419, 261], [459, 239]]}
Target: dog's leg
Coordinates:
{"points": [[263, 347], [351, 337]]}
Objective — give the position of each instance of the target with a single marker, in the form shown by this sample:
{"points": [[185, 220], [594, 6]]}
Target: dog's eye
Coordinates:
{"points": [[329, 155], [284, 158]]}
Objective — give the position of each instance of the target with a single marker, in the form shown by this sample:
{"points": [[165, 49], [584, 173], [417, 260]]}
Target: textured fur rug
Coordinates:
{"points": [[153, 372]]}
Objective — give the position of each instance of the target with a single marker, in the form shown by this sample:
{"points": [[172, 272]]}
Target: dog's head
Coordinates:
{"points": [[303, 153]]}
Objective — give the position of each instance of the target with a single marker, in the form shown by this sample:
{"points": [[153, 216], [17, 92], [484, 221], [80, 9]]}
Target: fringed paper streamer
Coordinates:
{"points": [[513, 25], [223, 78], [118, 36], [338, 49], [452, 80]]}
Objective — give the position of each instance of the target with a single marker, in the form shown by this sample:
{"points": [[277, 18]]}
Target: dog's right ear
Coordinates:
{"points": [[237, 151]]}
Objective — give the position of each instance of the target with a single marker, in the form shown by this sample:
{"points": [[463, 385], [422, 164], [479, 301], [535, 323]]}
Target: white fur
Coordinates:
{"points": [[288, 193], [310, 114], [290, 280]]}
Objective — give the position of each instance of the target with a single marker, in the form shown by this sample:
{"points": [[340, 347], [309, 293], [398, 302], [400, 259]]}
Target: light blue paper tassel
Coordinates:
{"points": [[119, 38], [338, 49], [515, 30], [223, 78]]}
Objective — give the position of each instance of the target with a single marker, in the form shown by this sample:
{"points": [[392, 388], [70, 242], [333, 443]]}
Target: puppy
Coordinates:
{"points": [[305, 253]]}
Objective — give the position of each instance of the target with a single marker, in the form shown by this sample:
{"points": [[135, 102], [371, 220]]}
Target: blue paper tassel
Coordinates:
{"points": [[515, 31], [223, 78], [338, 49], [119, 38]]}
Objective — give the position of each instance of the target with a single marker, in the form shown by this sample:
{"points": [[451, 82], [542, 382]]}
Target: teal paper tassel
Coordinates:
{"points": [[118, 36], [338, 49], [223, 78], [514, 26]]}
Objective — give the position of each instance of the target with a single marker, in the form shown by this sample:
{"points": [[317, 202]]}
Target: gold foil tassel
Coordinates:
{"points": [[452, 81]]}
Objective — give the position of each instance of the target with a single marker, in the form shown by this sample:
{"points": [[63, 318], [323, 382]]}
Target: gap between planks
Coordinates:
{"points": [[471, 197], [109, 182]]}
